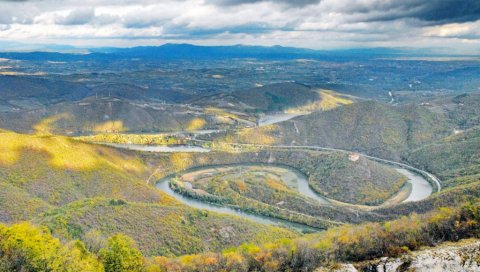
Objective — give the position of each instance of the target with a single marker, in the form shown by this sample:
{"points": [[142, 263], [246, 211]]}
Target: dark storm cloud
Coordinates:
{"points": [[431, 11], [451, 11]]}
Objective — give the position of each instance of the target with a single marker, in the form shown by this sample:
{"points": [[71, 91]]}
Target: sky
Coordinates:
{"points": [[316, 24]]}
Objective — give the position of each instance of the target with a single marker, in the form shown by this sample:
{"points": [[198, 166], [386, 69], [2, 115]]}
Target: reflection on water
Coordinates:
{"points": [[421, 188], [163, 185], [160, 148], [270, 119]]}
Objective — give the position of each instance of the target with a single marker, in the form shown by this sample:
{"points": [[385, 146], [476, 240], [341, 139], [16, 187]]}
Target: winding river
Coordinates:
{"points": [[421, 189], [163, 185]]}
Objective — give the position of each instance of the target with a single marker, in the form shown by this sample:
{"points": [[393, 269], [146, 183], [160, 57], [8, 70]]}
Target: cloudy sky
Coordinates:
{"points": [[319, 24]]}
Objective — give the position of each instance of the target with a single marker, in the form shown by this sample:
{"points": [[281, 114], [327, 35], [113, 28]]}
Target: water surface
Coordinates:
{"points": [[160, 148]]}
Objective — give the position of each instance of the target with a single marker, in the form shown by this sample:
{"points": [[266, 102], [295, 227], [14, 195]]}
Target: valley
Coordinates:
{"points": [[238, 164]]}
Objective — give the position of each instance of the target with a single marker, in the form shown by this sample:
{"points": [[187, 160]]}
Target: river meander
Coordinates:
{"points": [[420, 189]]}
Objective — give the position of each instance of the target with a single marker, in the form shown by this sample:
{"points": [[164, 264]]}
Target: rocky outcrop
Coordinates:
{"points": [[453, 257]]}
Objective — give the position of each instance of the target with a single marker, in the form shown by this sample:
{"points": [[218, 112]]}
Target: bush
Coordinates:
{"points": [[121, 255]]}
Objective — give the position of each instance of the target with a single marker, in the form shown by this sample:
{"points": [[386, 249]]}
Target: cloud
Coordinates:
{"points": [[432, 11], [309, 23], [297, 3], [470, 30], [79, 16]]}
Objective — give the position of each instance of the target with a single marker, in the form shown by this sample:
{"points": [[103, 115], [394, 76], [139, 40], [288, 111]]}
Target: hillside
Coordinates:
{"points": [[62, 183], [42, 171], [28, 93], [277, 97], [455, 159], [157, 229], [107, 114], [332, 174], [463, 109], [362, 245], [359, 182], [371, 127]]}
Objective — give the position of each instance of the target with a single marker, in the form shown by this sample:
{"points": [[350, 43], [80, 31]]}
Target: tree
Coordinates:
{"points": [[121, 254], [24, 247]]}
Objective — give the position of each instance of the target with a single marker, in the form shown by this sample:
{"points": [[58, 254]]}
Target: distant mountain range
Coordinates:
{"points": [[189, 51]]}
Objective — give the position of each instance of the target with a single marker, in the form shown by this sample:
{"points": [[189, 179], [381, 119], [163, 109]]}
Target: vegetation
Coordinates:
{"points": [[359, 182], [24, 247], [121, 255], [342, 244], [462, 109], [257, 193], [111, 115], [67, 185], [363, 181], [38, 172], [141, 139], [94, 208], [455, 159], [329, 101], [369, 127], [156, 229]]}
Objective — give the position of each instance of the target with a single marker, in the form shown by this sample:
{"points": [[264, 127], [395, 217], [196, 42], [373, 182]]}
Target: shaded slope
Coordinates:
{"points": [[456, 159], [102, 115], [369, 127], [287, 96]]}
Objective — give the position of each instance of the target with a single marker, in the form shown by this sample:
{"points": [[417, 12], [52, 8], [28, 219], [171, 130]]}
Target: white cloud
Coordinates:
{"points": [[308, 23]]}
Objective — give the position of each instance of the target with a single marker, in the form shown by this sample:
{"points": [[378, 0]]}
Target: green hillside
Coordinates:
{"points": [[54, 181], [276, 98], [360, 182], [54, 170], [158, 229], [112, 115], [371, 127], [456, 159], [463, 109], [26, 248]]}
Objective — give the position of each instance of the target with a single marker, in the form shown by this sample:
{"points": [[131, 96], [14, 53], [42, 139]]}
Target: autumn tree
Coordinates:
{"points": [[121, 254]]}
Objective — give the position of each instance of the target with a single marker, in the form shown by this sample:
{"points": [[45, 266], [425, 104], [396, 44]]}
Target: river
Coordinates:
{"points": [[270, 119], [160, 148], [163, 185], [421, 189]]}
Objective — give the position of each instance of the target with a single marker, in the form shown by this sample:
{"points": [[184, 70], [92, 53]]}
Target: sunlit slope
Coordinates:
{"points": [[112, 115], [17, 204], [371, 127], [74, 187], [287, 96], [39, 171], [158, 230]]}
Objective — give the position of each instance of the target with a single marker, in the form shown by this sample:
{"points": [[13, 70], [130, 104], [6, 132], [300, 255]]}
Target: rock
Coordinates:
{"points": [[463, 256], [340, 268]]}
